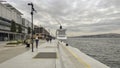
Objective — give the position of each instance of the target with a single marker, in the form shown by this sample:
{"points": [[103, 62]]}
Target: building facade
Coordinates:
{"points": [[41, 32], [8, 13], [26, 24]]}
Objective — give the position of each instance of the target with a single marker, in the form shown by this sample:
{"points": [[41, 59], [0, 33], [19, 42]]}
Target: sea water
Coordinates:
{"points": [[105, 50]]}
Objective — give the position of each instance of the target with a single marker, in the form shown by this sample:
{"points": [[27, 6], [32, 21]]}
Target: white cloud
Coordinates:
{"points": [[78, 16]]}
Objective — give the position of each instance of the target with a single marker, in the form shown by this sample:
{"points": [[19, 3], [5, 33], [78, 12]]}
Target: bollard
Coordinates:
{"points": [[66, 44]]}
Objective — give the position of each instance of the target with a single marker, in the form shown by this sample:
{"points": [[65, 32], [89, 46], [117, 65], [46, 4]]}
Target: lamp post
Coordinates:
{"points": [[32, 12]]}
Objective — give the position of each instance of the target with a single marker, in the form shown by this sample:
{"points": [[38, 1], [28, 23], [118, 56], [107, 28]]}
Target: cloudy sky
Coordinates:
{"points": [[79, 17]]}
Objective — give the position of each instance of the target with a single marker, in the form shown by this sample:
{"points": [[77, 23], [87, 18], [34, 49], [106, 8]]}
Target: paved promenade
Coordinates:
{"points": [[7, 53], [52, 55]]}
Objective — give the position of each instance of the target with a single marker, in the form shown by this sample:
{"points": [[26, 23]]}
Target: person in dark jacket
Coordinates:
{"points": [[37, 40]]}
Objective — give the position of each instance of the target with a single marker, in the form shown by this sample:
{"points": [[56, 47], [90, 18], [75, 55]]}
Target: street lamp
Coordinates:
{"points": [[32, 12]]}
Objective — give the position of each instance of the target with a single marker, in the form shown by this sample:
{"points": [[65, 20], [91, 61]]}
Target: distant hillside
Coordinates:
{"points": [[100, 36]]}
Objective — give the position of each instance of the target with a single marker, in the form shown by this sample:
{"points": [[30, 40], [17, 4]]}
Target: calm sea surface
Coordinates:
{"points": [[105, 50]]}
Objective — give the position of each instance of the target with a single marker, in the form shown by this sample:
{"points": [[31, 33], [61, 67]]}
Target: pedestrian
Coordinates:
{"points": [[47, 38], [50, 38], [28, 42], [37, 40]]}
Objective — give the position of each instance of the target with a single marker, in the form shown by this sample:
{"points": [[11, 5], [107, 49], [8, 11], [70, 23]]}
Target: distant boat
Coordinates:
{"points": [[61, 34]]}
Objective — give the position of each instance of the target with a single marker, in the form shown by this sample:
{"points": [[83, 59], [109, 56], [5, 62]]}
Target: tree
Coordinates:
{"points": [[19, 29], [13, 26], [29, 30]]}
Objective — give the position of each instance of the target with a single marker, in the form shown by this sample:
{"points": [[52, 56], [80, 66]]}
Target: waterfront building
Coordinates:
{"points": [[27, 27], [9, 14], [42, 32], [16, 15], [26, 24]]}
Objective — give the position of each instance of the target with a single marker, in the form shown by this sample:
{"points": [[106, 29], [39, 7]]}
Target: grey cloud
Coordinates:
{"points": [[102, 26], [75, 15]]}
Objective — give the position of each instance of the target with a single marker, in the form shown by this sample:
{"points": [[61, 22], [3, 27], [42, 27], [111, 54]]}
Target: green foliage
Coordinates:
{"points": [[19, 41], [15, 42], [19, 29], [13, 26], [12, 43]]}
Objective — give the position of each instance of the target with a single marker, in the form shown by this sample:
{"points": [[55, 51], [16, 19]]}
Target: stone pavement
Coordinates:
{"points": [[27, 60], [2, 44], [7, 53], [66, 57]]}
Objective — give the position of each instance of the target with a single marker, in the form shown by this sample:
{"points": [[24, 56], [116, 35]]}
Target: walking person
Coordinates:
{"points": [[37, 40], [47, 38], [50, 38]]}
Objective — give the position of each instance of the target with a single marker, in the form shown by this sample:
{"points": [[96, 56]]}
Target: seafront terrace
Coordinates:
{"points": [[52, 55]]}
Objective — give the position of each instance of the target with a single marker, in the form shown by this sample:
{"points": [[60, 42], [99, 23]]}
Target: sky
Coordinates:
{"points": [[79, 17]]}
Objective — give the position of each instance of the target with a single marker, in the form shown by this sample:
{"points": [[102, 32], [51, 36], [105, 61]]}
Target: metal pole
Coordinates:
{"points": [[32, 25], [32, 9], [32, 29]]}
